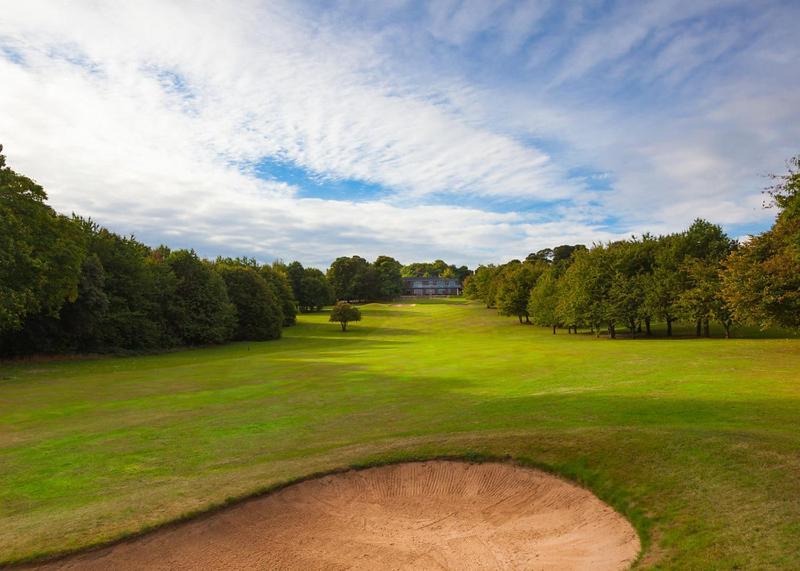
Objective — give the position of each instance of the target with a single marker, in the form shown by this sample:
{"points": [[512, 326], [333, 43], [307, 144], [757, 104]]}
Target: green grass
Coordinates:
{"points": [[697, 441]]}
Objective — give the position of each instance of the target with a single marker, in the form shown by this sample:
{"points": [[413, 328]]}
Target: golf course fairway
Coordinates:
{"points": [[695, 441]]}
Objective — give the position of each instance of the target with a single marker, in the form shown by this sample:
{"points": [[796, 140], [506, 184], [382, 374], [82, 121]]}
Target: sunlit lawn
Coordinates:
{"points": [[696, 440]]}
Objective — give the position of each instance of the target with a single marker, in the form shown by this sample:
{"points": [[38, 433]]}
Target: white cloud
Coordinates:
{"points": [[145, 115]]}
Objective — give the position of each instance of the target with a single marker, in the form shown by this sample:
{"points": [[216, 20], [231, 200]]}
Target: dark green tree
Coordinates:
{"points": [[761, 280], [390, 282], [202, 312], [515, 283], [343, 313], [543, 300], [258, 311], [315, 291], [41, 252], [278, 280]]}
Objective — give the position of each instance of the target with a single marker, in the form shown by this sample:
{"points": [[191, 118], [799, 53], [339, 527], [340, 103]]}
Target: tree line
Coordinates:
{"points": [[69, 285], [699, 276]]}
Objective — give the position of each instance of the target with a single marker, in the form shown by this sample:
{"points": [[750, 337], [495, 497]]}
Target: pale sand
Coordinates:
{"points": [[426, 515]]}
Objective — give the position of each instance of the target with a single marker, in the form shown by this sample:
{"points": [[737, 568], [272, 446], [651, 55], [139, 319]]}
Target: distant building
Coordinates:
{"points": [[431, 286]]}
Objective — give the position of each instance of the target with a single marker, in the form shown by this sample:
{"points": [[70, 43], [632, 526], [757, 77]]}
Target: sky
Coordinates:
{"points": [[471, 131]]}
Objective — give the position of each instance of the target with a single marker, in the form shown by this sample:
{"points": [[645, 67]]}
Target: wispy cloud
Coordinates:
{"points": [[150, 117]]}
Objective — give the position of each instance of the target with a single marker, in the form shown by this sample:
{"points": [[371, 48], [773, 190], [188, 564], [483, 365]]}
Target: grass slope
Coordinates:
{"points": [[696, 440]]}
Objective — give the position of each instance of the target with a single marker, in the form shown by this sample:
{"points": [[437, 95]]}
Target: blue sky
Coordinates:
{"points": [[472, 131]]}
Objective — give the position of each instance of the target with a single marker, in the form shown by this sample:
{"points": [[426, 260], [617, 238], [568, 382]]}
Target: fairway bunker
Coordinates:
{"points": [[422, 515]]}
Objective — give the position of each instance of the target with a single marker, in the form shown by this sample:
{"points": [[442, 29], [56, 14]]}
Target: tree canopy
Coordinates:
{"points": [[343, 313]]}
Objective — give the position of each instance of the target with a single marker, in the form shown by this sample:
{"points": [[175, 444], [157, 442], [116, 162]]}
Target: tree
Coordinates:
{"points": [[390, 282], [295, 273], [543, 301], [583, 290], [258, 311], [41, 252], [631, 264], [704, 244], [665, 283], [131, 320], [278, 280], [315, 291], [343, 313], [202, 312], [515, 284], [436, 269], [761, 280], [483, 285], [352, 278]]}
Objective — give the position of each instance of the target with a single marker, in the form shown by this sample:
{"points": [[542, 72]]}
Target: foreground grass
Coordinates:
{"points": [[696, 440]]}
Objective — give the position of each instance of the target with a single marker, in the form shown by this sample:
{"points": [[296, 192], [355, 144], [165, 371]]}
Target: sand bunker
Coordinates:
{"points": [[427, 515]]}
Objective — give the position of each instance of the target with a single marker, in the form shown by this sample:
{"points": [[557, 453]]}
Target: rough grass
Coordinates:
{"points": [[697, 441]]}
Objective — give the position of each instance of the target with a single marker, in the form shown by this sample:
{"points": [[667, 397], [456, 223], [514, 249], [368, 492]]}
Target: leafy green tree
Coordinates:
{"points": [[436, 269], [315, 291], [583, 290], [705, 244], [343, 313], [131, 320], [543, 301], [352, 278], [515, 284], [389, 279], [258, 311], [41, 252], [295, 272], [632, 263], [761, 280], [665, 283], [278, 280], [484, 284], [82, 320], [202, 312], [470, 288]]}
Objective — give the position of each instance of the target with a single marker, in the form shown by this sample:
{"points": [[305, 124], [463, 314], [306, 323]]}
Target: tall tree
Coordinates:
{"points": [[543, 300], [41, 252], [390, 282], [761, 281], [704, 244], [278, 280], [315, 291], [202, 312], [352, 279], [515, 284], [258, 312]]}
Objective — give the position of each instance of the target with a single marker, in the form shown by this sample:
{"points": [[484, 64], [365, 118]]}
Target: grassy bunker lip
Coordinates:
{"points": [[445, 507]]}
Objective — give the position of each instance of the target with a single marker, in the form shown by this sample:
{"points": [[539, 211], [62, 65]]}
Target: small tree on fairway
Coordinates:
{"points": [[343, 313]]}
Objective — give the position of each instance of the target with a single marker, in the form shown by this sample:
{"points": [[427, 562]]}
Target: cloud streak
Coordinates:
{"points": [[150, 118]]}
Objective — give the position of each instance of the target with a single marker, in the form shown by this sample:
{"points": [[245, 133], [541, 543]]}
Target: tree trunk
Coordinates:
{"points": [[669, 327], [706, 328], [612, 331], [727, 325], [647, 326], [697, 328], [344, 325], [639, 327], [554, 329]]}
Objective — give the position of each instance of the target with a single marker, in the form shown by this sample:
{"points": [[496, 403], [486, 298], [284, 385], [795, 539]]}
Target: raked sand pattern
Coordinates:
{"points": [[424, 515]]}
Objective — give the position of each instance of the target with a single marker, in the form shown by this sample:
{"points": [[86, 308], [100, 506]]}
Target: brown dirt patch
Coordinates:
{"points": [[425, 515]]}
